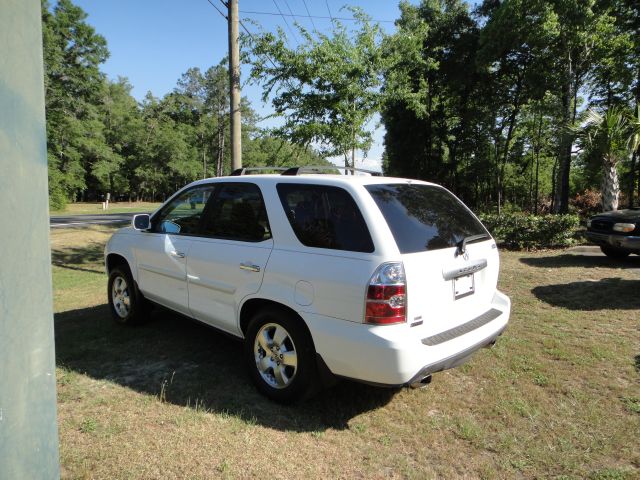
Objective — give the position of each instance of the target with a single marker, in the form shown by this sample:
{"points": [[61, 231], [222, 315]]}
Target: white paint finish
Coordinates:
{"points": [[431, 297], [326, 287], [339, 281], [217, 284], [304, 293], [391, 354], [162, 275]]}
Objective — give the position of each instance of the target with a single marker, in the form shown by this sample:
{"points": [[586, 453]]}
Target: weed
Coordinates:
{"points": [[88, 425], [632, 404]]}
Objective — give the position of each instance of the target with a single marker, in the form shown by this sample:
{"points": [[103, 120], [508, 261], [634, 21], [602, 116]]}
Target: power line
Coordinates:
{"points": [[286, 23], [219, 11], [309, 13], [297, 15], [326, 2]]}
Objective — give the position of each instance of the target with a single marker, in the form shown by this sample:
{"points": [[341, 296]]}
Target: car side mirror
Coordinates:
{"points": [[141, 222]]}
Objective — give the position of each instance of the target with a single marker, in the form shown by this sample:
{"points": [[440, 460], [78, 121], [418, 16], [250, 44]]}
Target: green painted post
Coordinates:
{"points": [[28, 428]]}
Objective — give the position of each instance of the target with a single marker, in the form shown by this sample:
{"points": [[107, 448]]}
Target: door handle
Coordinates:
{"points": [[249, 267], [177, 254]]}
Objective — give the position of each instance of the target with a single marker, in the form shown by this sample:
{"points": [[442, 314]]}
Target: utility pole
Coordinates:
{"points": [[234, 85]]}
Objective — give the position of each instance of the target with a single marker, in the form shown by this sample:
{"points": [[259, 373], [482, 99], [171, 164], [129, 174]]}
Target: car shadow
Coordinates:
{"points": [[637, 362], [586, 261], [604, 294], [186, 363]]}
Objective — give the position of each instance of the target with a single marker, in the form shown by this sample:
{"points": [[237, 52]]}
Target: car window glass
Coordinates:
{"points": [[325, 217], [182, 215], [237, 212], [424, 217]]}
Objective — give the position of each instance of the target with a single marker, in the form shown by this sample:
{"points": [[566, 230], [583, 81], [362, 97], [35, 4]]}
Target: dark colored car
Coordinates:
{"points": [[617, 232]]}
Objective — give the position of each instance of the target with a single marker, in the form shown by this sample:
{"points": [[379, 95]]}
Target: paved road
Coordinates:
{"points": [[85, 220]]}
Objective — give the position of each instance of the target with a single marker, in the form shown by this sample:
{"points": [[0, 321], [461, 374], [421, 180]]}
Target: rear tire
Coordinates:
{"points": [[280, 356], [126, 303], [613, 252]]}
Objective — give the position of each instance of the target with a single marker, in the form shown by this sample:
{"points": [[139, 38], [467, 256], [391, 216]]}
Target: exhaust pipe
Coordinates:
{"points": [[421, 383]]}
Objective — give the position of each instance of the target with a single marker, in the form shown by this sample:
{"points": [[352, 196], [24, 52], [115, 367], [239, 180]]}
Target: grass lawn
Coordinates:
{"points": [[88, 208], [558, 396]]}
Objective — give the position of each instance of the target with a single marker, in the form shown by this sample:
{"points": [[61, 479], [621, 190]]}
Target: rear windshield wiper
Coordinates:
{"points": [[462, 244]]}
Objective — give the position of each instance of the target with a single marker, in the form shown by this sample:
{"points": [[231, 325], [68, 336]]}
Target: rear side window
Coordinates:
{"points": [[325, 217], [424, 217], [237, 212]]}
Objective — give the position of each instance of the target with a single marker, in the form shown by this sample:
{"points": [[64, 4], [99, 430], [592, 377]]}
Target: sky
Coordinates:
{"points": [[152, 43]]}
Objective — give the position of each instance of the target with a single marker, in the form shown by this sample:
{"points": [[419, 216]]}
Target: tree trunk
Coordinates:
{"points": [[632, 179], [610, 185], [561, 203]]}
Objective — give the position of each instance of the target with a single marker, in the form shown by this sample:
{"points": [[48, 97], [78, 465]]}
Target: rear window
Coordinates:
{"points": [[325, 217], [424, 217]]}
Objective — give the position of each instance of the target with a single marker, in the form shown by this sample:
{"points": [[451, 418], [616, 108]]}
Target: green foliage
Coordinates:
{"points": [[530, 232], [327, 89], [483, 101], [100, 139]]}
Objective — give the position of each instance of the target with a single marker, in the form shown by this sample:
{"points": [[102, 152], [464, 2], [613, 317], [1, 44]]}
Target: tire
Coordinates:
{"points": [[126, 303], [613, 252], [280, 356]]}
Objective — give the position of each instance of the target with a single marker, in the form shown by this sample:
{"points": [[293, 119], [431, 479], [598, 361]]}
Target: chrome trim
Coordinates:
{"points": [[465, 270], [249, 267]]}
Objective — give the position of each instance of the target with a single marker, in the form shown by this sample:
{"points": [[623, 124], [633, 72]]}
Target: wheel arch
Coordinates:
{"points": [[253, 305], [115, 259]]}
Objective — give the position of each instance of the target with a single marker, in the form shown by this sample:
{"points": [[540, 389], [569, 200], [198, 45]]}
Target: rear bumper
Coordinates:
{"points": [[617, 241], [397, 355]]}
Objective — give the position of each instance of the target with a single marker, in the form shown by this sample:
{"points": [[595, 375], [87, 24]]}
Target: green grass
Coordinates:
{"points": [[87, 208], [557, 397]]}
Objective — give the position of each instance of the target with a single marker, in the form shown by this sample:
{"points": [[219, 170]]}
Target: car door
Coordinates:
{"points": [[161, 253], [227, 261]]}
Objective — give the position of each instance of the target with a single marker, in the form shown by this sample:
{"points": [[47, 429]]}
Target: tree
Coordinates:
{"points": [[327, 89], [609, 135], [73, 88]]}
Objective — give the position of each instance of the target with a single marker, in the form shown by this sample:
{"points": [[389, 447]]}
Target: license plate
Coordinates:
{"points": [[463, 286]]}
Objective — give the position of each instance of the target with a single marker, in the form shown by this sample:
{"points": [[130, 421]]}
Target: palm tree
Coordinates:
{"points": [[608, 132], [634, 147]]}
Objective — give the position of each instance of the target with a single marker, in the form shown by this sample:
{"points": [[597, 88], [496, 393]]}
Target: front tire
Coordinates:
{"points": [[616, 253], [126, 304], [280, 356]]}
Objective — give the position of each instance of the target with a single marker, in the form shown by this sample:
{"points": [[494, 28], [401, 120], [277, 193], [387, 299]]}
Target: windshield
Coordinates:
{"points": [[424, 217]]}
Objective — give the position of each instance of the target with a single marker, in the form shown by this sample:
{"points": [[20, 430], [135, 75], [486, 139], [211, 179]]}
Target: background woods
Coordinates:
{"points": [[511, 104]]}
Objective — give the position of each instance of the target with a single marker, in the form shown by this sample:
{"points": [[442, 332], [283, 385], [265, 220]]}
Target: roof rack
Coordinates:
{"points": [[243, 171], [292, 171], [313, 168]]}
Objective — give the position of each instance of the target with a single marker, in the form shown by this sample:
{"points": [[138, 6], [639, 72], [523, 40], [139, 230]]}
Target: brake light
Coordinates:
{"points": [[387, 295]]}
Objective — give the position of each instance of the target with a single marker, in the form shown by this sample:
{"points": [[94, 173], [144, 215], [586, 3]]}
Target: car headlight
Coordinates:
{"points": [[589, 223], [624, 227]]}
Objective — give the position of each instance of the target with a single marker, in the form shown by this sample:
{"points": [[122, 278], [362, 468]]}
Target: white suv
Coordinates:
{"points": [[382, 280]]}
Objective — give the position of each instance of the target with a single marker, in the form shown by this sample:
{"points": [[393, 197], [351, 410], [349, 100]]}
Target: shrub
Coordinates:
{"points": [[587, 203], [520, 231]]}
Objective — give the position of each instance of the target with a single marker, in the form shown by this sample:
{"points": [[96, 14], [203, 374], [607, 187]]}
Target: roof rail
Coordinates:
{"points": [[243, 171], [316, 168]]}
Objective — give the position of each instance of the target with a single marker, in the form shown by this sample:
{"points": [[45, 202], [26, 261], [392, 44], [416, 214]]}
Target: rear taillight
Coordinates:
{"points": [[387, 295]]}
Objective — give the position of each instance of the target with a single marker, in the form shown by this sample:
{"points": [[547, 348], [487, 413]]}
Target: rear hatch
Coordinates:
{"points": [[450, 260]]}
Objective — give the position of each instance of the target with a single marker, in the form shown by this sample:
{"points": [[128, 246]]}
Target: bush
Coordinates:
{"points": [[587, 203], [519, 231]]}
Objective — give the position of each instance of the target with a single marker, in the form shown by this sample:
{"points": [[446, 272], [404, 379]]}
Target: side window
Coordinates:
{"points": [[237, 212], [325, 217], [183, 214]]}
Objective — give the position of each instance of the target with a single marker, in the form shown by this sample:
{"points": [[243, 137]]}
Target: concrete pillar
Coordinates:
{"points": [[28, 428]]}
